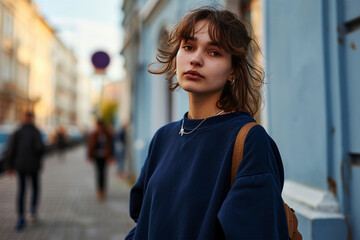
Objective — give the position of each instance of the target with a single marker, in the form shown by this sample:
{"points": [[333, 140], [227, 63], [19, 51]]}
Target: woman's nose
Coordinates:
{"points": [[196, 59]]}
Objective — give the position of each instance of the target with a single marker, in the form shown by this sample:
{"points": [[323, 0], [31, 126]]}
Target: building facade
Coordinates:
{"points": [[38, 72], [15, 59], [312, 58], [65, 80], [84, 104]]}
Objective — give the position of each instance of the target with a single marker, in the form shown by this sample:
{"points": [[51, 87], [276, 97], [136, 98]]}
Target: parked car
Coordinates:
{"points": [[5, 132], [75, 134]]}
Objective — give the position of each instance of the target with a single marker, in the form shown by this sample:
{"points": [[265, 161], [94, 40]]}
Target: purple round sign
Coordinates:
{"points": [[100, 60]]}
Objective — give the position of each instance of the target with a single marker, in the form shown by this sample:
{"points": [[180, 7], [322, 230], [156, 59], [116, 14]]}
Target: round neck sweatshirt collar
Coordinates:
{"points": [[190, 124]]}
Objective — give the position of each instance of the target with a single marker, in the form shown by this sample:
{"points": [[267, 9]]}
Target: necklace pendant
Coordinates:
{"points": [[181, 132]]}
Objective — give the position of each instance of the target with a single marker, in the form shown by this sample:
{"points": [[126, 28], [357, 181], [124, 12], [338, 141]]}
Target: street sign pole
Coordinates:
{"points": [[100, 61]]}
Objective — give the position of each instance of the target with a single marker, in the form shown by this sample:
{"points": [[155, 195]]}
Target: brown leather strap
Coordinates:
{"points": [[239, 148]]}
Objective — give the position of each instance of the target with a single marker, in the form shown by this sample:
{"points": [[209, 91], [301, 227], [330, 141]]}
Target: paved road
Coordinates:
{"points": [[68, 208]]}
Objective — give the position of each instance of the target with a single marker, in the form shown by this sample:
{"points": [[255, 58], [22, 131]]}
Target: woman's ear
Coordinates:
{"points": [[231, 76], [232, 79]]}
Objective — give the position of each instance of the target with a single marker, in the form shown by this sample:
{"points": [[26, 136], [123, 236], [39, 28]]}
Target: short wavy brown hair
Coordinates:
{"points": [[230, 32]]}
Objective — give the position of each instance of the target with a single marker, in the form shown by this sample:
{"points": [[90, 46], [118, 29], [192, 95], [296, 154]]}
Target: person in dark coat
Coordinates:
{"points": [[24, 155], [100, 151]]}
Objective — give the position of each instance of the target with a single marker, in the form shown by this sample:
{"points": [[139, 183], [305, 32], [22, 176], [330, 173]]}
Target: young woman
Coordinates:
{"points": [[184, 189]]}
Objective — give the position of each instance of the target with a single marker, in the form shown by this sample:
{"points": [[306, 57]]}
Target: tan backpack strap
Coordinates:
{"points": [[239, 148]]}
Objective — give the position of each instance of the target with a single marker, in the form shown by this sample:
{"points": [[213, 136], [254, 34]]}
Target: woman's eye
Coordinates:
{"points": [[188, 48], [214, 53]]}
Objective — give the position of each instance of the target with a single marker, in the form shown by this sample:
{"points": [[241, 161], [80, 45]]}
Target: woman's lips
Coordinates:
{"points": [[191, 74]]}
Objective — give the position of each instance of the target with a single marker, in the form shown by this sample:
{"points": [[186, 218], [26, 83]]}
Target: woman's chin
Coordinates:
{"points": [[191, 86], [198, 89], [192, 90]]}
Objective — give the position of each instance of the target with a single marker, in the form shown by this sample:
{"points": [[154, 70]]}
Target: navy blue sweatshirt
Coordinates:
{"points": [[184, 189]]}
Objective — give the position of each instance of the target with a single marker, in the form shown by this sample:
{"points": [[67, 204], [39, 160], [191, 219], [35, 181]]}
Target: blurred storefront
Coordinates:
{"points": [[13, 103]]}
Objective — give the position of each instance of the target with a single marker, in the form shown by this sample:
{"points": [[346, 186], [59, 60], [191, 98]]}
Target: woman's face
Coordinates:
{"points": [[202, 67]]}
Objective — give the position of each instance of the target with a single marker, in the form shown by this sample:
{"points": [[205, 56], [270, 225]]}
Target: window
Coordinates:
{"points": [[8, 24], [6, 67], [22, 77]]}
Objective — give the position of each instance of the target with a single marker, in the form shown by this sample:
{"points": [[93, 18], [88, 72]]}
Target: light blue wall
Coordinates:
{"points": [[322, 229], [297, 92], [313, 94]]}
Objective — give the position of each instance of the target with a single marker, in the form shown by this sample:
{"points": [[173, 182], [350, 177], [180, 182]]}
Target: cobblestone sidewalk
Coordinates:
{"points": [[68, 208]]}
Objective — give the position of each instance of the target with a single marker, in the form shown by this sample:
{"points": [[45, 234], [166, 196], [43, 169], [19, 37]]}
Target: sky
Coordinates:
{"points": [[86, 26]]}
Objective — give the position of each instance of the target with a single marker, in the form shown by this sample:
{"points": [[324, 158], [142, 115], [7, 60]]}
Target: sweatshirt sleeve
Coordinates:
{"points": [[138, 190], [253, 208], [136, 199]]}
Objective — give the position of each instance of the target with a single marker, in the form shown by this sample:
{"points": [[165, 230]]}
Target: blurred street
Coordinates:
{"points": [[68, 208]]}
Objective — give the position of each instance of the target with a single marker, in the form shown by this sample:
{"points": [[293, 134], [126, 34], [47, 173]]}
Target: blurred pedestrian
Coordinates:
{"points": [[24, 155], [120, 149], [100, 152], [185, 190], [60, 142]]}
